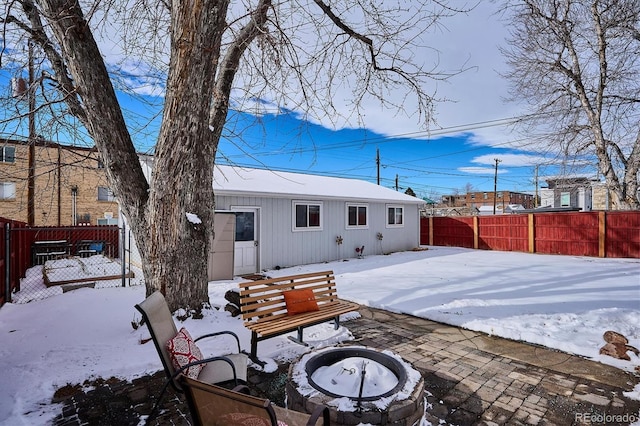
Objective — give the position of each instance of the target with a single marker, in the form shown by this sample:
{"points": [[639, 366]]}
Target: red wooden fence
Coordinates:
{"points": [[14, 258], [21, 239], [597, 234]]}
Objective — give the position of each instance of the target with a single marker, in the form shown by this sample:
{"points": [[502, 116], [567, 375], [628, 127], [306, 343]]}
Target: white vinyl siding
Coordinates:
{"points": [[281, 247]]}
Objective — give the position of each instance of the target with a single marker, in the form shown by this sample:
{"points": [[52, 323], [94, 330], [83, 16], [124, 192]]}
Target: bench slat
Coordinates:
{"points": [[299, 278]]}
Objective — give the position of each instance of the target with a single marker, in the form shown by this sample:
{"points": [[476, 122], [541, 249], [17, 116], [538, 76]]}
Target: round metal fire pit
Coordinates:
{"points": [[331, 357], [400, 403]]}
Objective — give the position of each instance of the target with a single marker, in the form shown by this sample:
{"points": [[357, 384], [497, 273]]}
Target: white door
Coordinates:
{"points": [[246, 243]]}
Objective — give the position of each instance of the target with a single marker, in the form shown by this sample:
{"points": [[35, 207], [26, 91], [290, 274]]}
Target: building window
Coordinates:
{"points": [[8, 154], [499, 194], [485, 195], [108, 221], [307, 216], [7, 190], [357, 216], [565, 199], [395, 216], [105, 194], [473, 196]]}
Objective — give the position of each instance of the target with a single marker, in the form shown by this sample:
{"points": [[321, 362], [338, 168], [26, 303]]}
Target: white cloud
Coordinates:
{"points": [[479, 170], [510, 160]]}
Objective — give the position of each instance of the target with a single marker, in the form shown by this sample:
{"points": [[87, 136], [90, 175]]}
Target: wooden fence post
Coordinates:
{"points": [[430, 230], [602, 236], [476, 231], [531, 234]]}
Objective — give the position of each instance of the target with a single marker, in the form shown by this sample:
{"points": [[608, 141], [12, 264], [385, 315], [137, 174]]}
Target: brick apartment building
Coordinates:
{"points": [[479, 199], [70, 185]]}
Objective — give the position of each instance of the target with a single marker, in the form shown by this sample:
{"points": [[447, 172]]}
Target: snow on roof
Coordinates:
{"points": [[229, 180]]}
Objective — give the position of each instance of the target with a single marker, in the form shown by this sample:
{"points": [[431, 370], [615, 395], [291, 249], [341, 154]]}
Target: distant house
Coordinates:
{"points": [[568, 192], [502, 200], [269, 219], [286, 219], [508, 209]]}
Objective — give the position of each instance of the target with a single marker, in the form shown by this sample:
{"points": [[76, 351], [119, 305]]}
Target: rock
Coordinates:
{"points": [[233, 309], [617, 346], [616, 350], [233, 297], [614, 337]]}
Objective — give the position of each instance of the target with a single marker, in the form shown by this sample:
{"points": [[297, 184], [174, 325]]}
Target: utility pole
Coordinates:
{"points": [[396, 182], [495, 187], [378, 163], [535, 200], [31, 179]]}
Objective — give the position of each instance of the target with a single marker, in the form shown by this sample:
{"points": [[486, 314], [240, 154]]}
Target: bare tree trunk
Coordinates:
{"points": [[182, 201]]}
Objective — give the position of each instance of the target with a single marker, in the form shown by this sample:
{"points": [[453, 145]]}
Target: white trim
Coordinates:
{"points": [[294, 204], [357, 206], [395, 207]]}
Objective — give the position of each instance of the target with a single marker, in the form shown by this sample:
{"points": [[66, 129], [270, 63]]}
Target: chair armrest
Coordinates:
{"points": [[220, 333], [320, 410], [242, 389], [205, 361]]}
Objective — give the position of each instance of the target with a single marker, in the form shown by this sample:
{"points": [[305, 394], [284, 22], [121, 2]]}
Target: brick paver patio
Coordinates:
{"points": [[470, 379]]}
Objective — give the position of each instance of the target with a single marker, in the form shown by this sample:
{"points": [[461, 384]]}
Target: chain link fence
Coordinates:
{"points": [[68, 258]]}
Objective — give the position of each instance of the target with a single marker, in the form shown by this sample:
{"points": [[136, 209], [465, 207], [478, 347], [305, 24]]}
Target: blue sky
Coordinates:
{"points": [[471, 131], [427, 165]]}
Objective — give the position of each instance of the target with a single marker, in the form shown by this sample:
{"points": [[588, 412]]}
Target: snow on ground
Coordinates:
{"points": [[562, 302]]}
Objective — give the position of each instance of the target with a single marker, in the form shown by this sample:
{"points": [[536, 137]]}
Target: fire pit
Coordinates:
{"points": [[359, 385]]}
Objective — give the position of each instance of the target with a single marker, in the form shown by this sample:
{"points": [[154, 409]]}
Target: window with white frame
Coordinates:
{"points": [[395, 216], [107, 221], [357, 215], [307, 216], [8, 154], [7, 190], [105, 194]]}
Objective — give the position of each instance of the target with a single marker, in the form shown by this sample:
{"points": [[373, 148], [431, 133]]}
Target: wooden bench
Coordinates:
{"points": [[264, 312], [41, 251]]}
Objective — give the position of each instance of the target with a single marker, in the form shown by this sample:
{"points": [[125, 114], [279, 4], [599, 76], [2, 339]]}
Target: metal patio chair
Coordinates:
{"points": [[217, 369]]}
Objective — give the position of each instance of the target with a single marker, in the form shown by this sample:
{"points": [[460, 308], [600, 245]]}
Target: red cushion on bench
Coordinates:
{"points": [[299, 301]]}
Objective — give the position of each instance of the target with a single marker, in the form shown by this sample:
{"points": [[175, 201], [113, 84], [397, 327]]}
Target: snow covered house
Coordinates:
{"points": [[286, 219], [269, 219]]}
